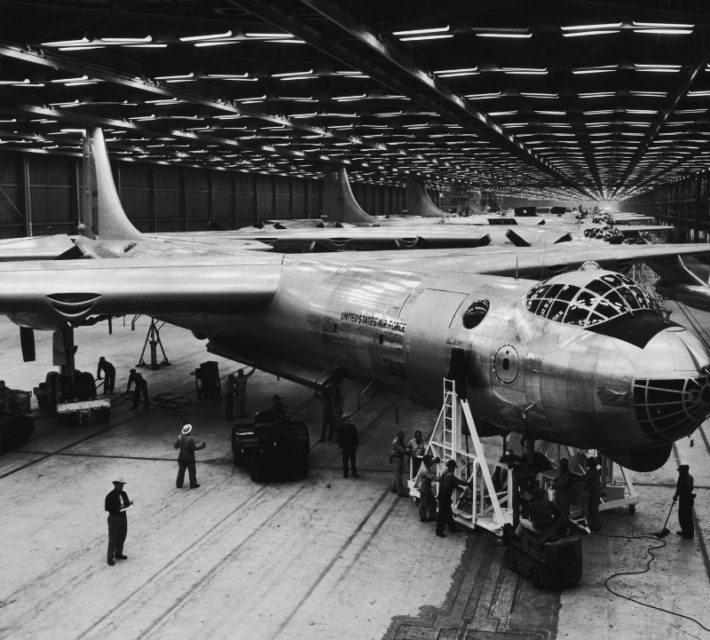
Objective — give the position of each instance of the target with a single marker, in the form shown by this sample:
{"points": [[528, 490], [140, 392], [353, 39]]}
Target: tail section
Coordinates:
{"points": [[417, 201], [339, 204], [110, 221]]}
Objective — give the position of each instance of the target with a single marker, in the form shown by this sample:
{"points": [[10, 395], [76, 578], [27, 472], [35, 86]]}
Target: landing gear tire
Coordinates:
{"points": [[103, 415], [87, 386], [54, 390], [256, 471]]}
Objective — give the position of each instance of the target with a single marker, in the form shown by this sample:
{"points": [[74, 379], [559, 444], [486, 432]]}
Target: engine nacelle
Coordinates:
{"points": [[641, 460]]}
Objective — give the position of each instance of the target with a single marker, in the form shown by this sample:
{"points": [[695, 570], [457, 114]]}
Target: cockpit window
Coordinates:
{"points": [[610, 296]]}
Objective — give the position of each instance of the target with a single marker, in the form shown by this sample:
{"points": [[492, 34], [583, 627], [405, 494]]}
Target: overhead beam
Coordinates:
{"points": [[84, 119], [55, 60], [461, 113], [661, 119]]}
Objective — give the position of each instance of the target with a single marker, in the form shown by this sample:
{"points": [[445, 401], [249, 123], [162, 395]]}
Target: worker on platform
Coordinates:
{"points": [[448, 483], [141, 389], [593, 478], [279, 407], [563, 485], [349, 443], [539, 513], [186, 458], [109, 372], [228, 389], [397, 453], [326, 402], [116, 504], [417, 447], [686, 499], [240, 391], [338, 406], [428, 474]]}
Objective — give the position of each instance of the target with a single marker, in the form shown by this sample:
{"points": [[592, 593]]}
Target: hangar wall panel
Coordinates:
{"points": [[40, 195]]}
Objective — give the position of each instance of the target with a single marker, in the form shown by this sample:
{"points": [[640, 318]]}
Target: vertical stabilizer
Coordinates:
{"points": [[339, 204], [111, 222], [417, 201]]}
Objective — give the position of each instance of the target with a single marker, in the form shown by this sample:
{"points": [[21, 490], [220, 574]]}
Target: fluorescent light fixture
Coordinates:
{"points": [[289, 41], [658, 68], [415, 32], [649, 94], [551, 113], [66, 43], [598, 94], [249, 99], [504, 35], [228, 76], [216, 43], [214, 36], [691, 111], [672, 32], [609, 68], [144, 46], [268, 35], [502, 113], [69, 79], [661, 25], [185, 76], [432, 37], [126, 40], [15, 83], [300, 78], [291, 73], [547, 96], [457, 72], [592, 27], [524, 71], [83, 47], [575, 34], [357, 97], [483, 96]]}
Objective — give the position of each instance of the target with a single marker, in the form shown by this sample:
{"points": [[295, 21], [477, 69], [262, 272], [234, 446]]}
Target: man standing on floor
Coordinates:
{"points": [[686, 499], [563, 485], [326, 402], [338, 406], [240, 390], [446, 492], [397, 453], [417, 448], [427, 475], [141, 389], [348, 443], [186, 458], [109, 372], [116, 504], [593, 479], [229, 397]]}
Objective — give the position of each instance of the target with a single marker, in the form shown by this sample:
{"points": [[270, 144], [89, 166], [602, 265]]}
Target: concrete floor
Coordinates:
{"points": [[320, 558]]}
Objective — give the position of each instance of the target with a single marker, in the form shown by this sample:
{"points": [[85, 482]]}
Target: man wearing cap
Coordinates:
{"points": [[116, 504], [686, 498], [427, 475], [141, 388], [109, 372], [446, 491], [186, 458], [279, 407], [417, 447]]}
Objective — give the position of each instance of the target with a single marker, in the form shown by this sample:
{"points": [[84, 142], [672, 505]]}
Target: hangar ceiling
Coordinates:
{"points": [[537, 98]]}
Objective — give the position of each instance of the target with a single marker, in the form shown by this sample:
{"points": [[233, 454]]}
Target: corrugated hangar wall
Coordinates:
{"points": [[683, 204], [39, 195]]}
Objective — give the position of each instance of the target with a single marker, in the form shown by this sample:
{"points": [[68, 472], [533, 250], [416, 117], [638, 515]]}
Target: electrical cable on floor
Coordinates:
{"points": [[649, 550], [175, 406]]}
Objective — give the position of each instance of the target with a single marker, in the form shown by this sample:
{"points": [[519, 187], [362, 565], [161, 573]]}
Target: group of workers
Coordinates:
{"points": [[134, 378]]}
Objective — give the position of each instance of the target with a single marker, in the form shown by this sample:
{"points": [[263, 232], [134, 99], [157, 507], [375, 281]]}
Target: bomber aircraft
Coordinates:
{"points": [[583, 354]]}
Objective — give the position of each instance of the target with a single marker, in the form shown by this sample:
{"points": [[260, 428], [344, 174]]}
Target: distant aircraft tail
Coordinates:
{"points": [[417, 201], [339, 204], [110, 221]]}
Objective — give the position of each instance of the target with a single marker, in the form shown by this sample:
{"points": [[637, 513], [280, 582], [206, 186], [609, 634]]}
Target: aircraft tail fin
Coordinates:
{"points": [[417, 201], [110, 221], [339, 204]]}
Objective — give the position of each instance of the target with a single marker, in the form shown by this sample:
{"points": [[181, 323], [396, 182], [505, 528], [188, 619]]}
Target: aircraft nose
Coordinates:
{"points": [[672, 386]]}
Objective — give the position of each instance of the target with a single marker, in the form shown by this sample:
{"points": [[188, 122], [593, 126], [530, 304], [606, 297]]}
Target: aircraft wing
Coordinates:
{"points": [[37, 248], [61, 292]]}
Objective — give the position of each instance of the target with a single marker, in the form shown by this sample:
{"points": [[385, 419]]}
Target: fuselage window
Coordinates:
{"points": [[476, 311]]}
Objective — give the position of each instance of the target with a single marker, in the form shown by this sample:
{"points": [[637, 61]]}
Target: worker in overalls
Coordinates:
{"points": [[593, 479], [240, 391], [109, 372], [686, 499], [141, 389], [445, 516]]}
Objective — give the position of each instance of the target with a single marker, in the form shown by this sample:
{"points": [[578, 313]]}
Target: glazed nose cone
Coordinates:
{"points": [[672, 386]]}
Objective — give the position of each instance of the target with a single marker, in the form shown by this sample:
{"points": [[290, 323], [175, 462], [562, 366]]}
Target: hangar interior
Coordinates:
{"points": [[232, 111]]}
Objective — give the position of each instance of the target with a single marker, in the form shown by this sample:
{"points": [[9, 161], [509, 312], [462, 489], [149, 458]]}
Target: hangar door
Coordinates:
{"points": [[426, 345]]}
